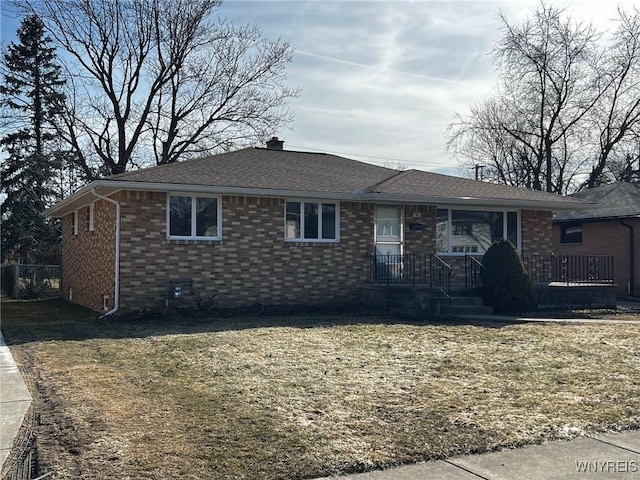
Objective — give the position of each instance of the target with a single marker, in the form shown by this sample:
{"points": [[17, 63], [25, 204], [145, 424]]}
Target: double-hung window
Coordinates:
{"points": [[194, 217], [311, 221]]}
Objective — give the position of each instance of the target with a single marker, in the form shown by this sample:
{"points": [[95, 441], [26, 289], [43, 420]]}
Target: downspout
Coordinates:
{"points": [[116, 281], [632, 280]]}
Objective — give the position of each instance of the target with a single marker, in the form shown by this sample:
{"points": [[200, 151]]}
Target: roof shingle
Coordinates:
{"points": [[319, 172], [615, 200], [267, 172], [267, 169], [418, 182]]}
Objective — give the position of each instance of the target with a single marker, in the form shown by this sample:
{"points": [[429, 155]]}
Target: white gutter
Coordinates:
{"points": [[116, 282]]}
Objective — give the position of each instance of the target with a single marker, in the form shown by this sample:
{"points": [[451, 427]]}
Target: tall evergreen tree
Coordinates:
{"points": [[31, 99]]}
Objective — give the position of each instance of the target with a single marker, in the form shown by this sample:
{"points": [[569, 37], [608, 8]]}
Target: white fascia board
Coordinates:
{"points": [[84, 196], [74, 201]]}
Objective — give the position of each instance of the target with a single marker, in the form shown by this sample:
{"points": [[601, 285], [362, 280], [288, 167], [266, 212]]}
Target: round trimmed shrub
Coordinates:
{"points": [[508, 287]]}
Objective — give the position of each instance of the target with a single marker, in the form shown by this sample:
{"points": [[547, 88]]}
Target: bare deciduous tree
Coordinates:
{"points": [[625, 167], [164, 79], [563, 106], [618, 113]]}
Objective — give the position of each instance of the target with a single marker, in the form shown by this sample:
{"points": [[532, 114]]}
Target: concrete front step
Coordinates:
{"points": [[457, 300], [468, 305], [455, 310], [421, 301]]}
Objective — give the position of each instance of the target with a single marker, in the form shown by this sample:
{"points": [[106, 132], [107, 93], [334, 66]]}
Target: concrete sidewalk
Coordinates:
{"points": [[607, 456], [14, 400], [633, 306], [516, 319]]}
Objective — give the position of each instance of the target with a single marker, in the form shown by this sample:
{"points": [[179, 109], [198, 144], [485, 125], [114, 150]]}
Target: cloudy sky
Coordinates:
{"points": [[382, 80]]}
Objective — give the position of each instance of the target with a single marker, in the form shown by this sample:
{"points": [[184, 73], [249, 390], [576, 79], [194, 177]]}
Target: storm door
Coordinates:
{"points": [[388, 241]]}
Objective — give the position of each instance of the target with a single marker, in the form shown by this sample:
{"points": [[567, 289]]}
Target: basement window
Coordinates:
{"points": [[571, 233]]}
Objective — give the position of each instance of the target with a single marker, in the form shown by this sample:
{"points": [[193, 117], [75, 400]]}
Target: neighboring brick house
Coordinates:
{"points": [[610, 227], [271, 226]]}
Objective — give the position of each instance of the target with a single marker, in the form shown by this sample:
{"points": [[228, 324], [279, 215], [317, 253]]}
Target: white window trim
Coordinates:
{"points": [[193, 197], [91, 217], [75, 223], [471, 209], [316, 240]]}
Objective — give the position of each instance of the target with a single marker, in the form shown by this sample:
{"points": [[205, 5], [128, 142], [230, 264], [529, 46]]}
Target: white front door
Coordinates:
{"points": [[388, 232], [389, 236]]}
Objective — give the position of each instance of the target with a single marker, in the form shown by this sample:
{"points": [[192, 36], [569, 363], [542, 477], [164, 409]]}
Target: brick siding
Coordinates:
{"points": [[88, 258], [420, 241], [251, 264], [537, 232], [607, 238]]}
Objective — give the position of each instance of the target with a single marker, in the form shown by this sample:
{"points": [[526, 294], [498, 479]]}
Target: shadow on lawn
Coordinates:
{"points": [[51, 320]]}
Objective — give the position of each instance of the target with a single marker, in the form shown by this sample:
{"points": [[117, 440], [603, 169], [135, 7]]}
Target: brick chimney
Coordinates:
{"points": [[275, 144]]}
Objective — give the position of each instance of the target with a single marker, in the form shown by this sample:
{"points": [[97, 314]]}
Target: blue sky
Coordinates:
{"points": [[382, 80]]}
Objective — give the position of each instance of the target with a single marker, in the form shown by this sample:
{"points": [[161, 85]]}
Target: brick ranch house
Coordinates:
{"points": [[609, 227], [278, 227]]}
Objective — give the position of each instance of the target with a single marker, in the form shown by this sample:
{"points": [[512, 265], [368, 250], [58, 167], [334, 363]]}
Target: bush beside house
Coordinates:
{"points": [[508, 287]]}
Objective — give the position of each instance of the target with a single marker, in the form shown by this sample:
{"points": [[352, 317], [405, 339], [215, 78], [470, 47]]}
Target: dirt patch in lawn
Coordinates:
{"points": [[299, 397]]}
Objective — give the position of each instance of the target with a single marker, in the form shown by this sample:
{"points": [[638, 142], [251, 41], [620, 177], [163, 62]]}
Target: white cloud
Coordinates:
{"points": [[383, 79]]}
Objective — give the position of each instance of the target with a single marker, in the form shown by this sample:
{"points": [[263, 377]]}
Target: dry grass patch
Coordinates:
{"points": [[628, 312], [302, 397]]}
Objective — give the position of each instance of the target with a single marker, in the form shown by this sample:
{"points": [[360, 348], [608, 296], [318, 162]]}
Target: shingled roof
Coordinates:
{"points": [[286, 173], [264, 168], [418, 182], [616, 200]]}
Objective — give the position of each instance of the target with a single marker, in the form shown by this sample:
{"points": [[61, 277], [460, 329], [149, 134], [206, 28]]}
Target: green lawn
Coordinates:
{"points": [[306, 396]]}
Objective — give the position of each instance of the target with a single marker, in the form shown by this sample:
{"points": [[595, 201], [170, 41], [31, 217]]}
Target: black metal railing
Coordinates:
{"points": [[567, 269], [440, 276], [570, 269], [473, 272], [411, 269], [408, 269]]}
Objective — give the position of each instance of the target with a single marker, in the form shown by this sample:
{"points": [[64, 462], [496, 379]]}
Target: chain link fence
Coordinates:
{"points": [[31, 281]]}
